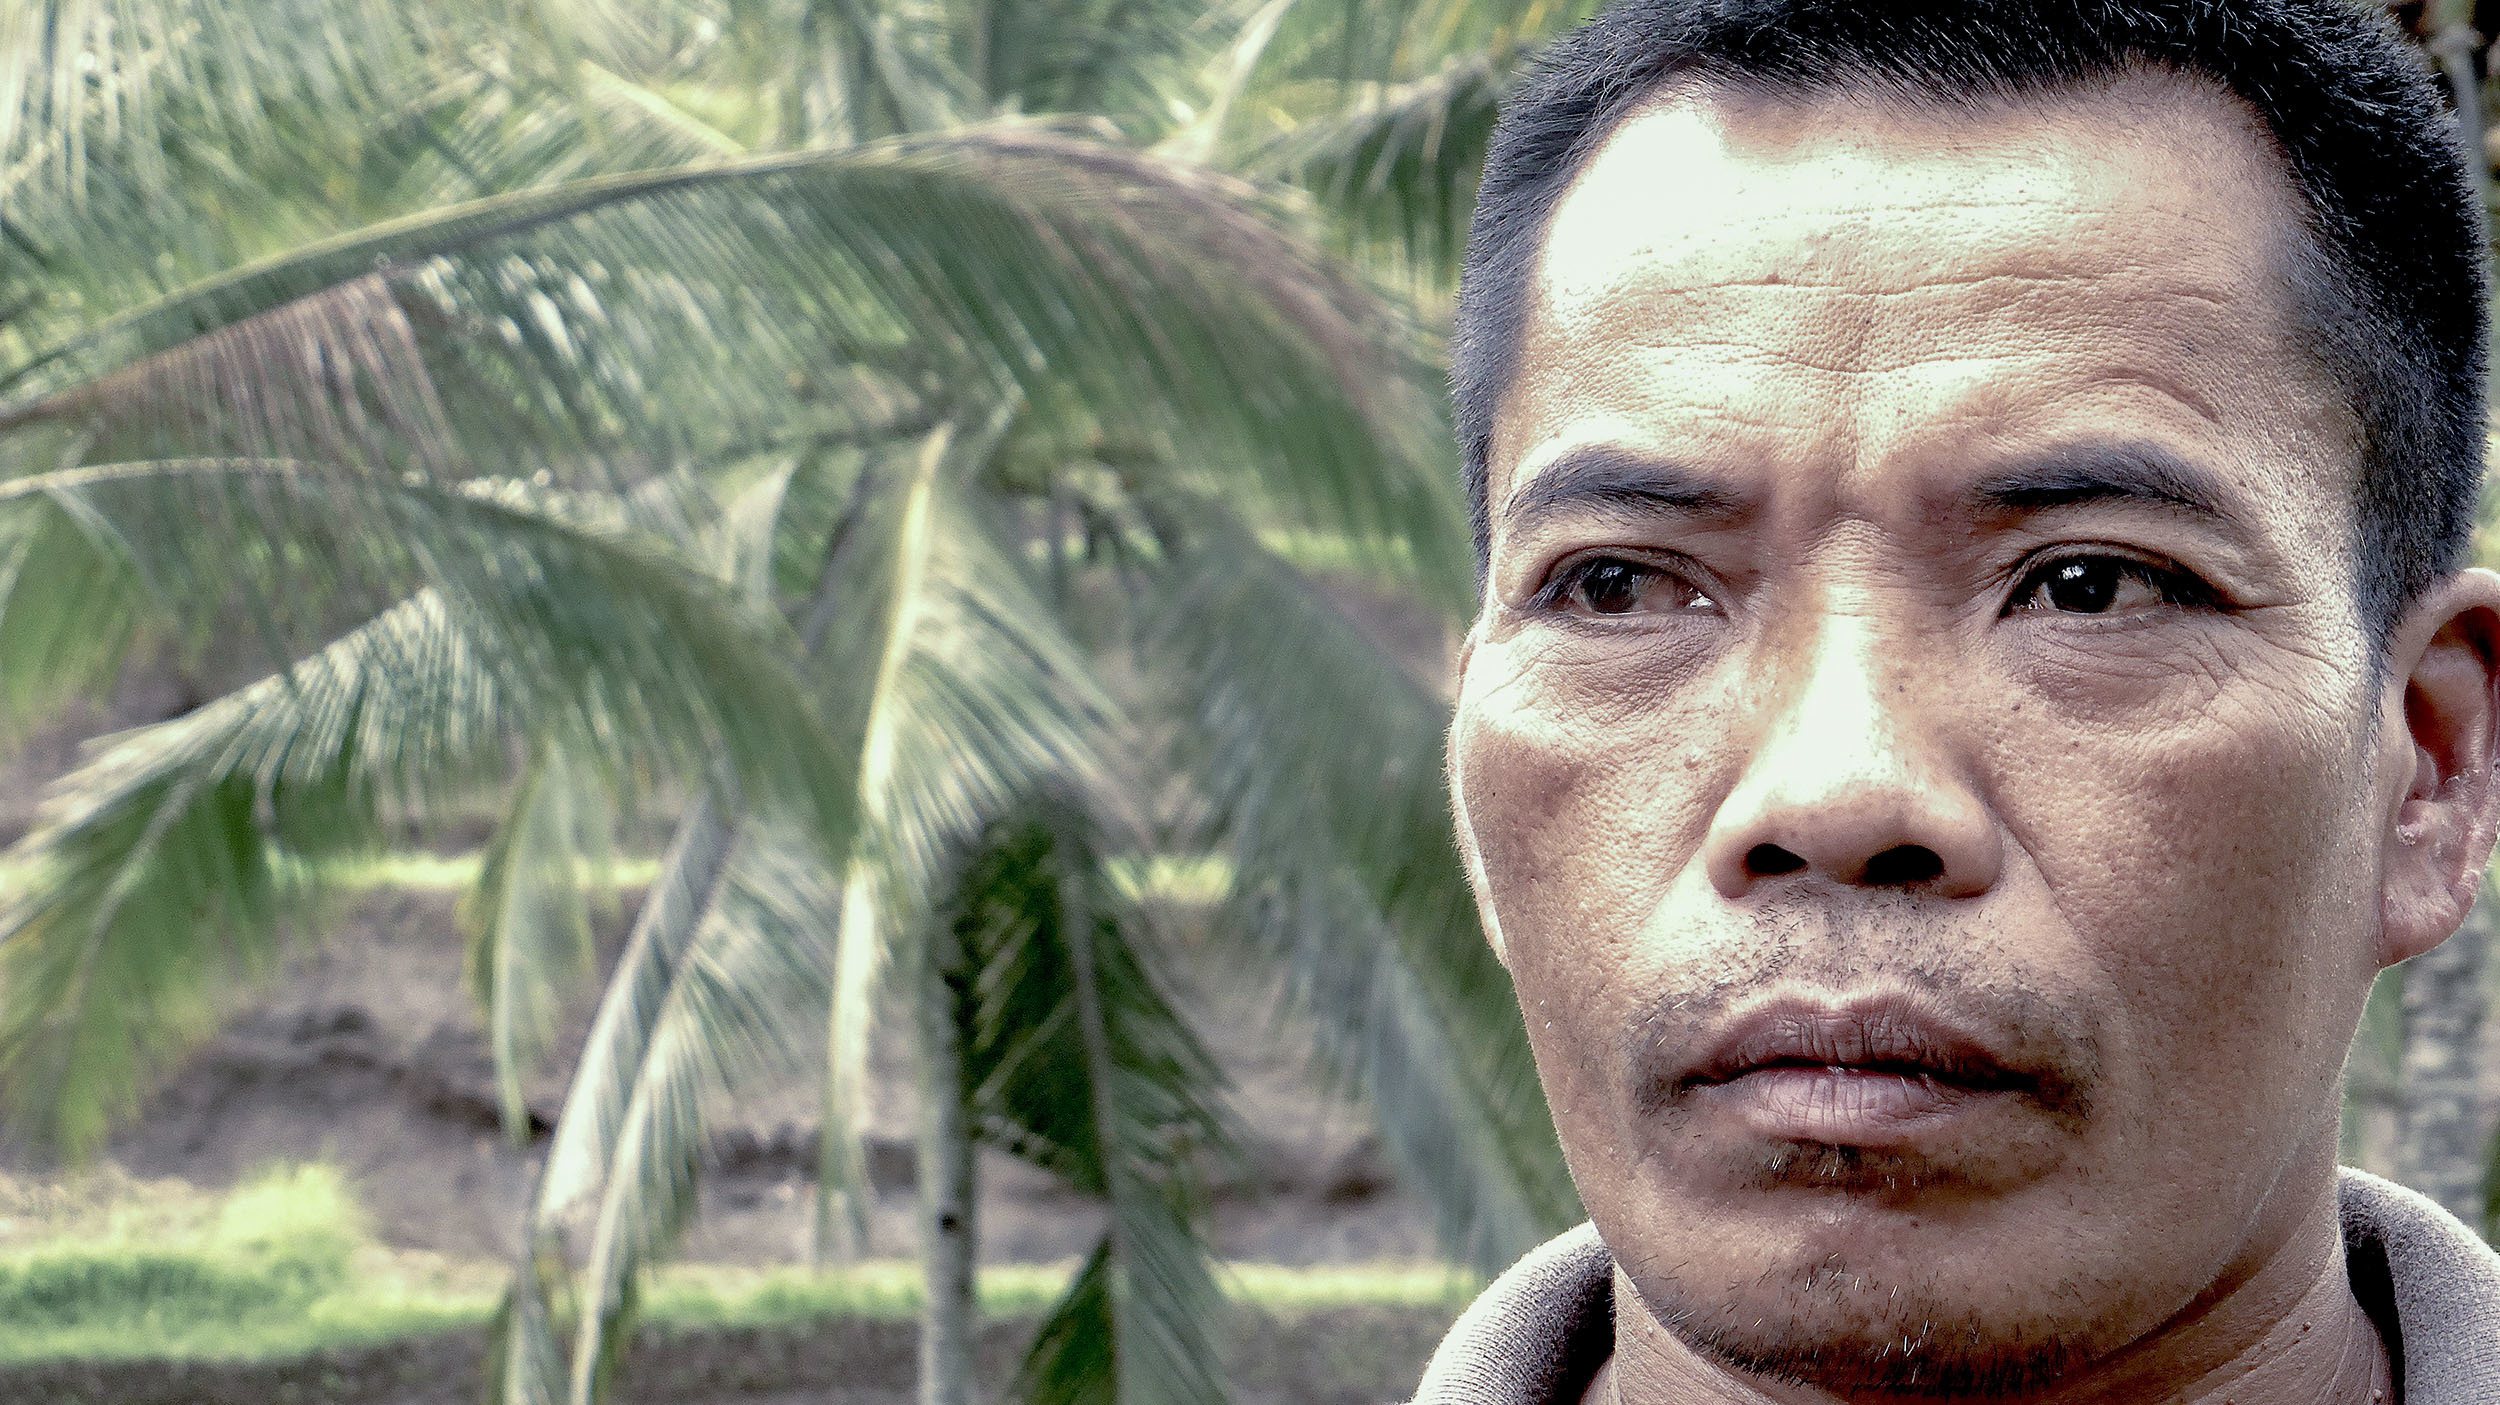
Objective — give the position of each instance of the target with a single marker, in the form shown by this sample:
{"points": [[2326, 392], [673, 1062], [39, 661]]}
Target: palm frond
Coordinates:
{"points": [[1396, 165], [146, 142], [70, 609], [610, 325], [530, 920], [1317, 760], [843, 1190], [1130, 61], [1350, 43], [591, 1128], [155, 875], [842, 1181], [604, 627], [524, 1353], [1466, 1131], [739, 1002], [91, 90], [1081, 1063], [484, 133], [619, 1178], [154, 881], [989, 702], [885, 70]]}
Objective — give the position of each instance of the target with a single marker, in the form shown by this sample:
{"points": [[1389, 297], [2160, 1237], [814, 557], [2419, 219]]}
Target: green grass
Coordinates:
{"points": [[280, 1267], [284, 1267]]}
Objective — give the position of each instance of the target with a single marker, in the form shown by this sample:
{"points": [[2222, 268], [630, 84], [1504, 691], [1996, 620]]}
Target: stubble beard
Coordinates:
{"points": [[1828, 1326]]}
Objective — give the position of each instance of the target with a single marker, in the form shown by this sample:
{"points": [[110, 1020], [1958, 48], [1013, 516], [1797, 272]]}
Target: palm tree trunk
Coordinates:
{"points": [[948, 1188], [2441, 1143]]}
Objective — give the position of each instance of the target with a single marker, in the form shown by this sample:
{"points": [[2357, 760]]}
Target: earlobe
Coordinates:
{"points": [[2439, 835]]}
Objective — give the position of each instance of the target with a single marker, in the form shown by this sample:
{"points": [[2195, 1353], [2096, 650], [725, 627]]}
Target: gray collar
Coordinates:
{"points": [[1540, 1332]]}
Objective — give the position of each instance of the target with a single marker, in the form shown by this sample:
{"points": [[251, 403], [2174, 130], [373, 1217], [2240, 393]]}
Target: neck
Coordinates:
{"points": [[2291, 1333]]}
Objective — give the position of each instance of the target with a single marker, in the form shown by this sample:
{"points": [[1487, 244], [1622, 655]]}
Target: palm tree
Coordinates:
{"points": [[760, 416]]}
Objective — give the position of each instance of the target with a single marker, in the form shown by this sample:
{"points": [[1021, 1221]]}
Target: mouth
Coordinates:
{"points": [[1878, 1073]]}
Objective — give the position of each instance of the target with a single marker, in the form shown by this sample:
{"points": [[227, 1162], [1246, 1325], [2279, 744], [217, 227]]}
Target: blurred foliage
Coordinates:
{"points": [[857, 438]]}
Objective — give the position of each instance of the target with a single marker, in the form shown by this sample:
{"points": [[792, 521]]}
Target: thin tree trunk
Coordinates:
{"points": [[948, 1188], [2441, 1143]]}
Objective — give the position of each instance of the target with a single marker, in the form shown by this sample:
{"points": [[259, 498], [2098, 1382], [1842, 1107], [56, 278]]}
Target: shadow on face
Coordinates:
{"points": [[1919, 753]]}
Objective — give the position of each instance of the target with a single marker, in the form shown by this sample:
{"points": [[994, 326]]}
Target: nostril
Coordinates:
{"points": [[1902, 865], [1770, 861]]}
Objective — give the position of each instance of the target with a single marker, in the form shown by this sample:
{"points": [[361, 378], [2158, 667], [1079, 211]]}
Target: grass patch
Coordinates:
{"points": [[282, 1266], [109, 1268]]}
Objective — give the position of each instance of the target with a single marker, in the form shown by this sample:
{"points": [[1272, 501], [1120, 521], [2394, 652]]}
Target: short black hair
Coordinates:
{"points": [[2393, 300]]}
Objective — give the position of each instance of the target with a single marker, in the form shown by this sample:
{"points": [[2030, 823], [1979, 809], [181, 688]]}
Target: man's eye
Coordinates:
{"points": [[2102, 585], [1615, 585]]}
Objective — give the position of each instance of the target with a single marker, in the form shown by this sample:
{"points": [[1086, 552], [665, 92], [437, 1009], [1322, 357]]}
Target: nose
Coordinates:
{"points": [[1850, 784]]}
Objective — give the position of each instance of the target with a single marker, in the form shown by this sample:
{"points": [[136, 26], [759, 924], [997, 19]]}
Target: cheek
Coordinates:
{"points": [[1587, 788], [1584, 809], [2198, 828]]}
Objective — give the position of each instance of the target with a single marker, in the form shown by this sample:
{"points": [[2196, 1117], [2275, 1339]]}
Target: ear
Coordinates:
{"points": [[2442, 736], [1469, 852]]}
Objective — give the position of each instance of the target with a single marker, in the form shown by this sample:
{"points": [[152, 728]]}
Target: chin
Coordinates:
{"points": [[1869, 1277], [1829, 1325]]}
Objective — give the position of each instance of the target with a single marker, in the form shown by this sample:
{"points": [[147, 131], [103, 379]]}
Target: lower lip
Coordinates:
{"points": [[1847, 1106]]}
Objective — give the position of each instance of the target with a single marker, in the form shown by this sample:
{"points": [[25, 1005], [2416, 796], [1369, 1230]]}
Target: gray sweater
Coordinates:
{"points": [[1538, 1335]]}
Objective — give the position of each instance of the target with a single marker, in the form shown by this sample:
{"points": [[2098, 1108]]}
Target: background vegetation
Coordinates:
{"points": [[882, 473]]}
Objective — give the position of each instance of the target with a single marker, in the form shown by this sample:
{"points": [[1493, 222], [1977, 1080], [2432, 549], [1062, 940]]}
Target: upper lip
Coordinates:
{"points": [[1878, 1035]]}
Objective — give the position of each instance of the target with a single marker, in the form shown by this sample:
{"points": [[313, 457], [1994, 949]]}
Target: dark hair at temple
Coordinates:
{"points": [[2392, 296]]}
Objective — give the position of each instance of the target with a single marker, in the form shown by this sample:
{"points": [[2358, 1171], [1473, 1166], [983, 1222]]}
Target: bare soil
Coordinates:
{"points": [[366, 1052]]}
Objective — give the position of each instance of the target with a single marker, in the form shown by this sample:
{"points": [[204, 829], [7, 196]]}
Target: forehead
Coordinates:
{"points": [[1844, 282]]}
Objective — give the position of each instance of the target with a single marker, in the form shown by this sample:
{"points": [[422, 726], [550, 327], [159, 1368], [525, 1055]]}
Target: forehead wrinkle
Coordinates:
{"points": [[1727, 138], [1579, 339], [2017, 306], [1976, 359]]}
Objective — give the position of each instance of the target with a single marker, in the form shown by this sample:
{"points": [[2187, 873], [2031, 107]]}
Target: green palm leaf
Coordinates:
{"points": [[1317, 760], [934, 665], [155, 866], [530, 915], [993, 703], [145, 142], [1118, 295], [621, 1169], [567, 606], [153, 884], [1397, 167], [738, 1001], [1080, 1062]]}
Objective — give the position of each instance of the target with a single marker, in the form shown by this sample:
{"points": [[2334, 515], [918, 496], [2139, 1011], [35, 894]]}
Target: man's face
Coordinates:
{"points": [[1917, 752]]}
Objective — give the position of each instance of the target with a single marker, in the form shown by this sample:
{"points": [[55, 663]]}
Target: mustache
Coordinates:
{"points": [[2037, 1042]]}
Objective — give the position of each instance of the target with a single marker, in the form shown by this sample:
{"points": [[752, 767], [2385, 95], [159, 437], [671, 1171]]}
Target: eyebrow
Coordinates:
{"points": [[2140, 474], [1607, 478]]}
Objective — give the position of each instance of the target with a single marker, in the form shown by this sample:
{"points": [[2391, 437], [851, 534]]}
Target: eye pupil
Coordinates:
{"points": [[1613, 587], [2083, 587]]}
